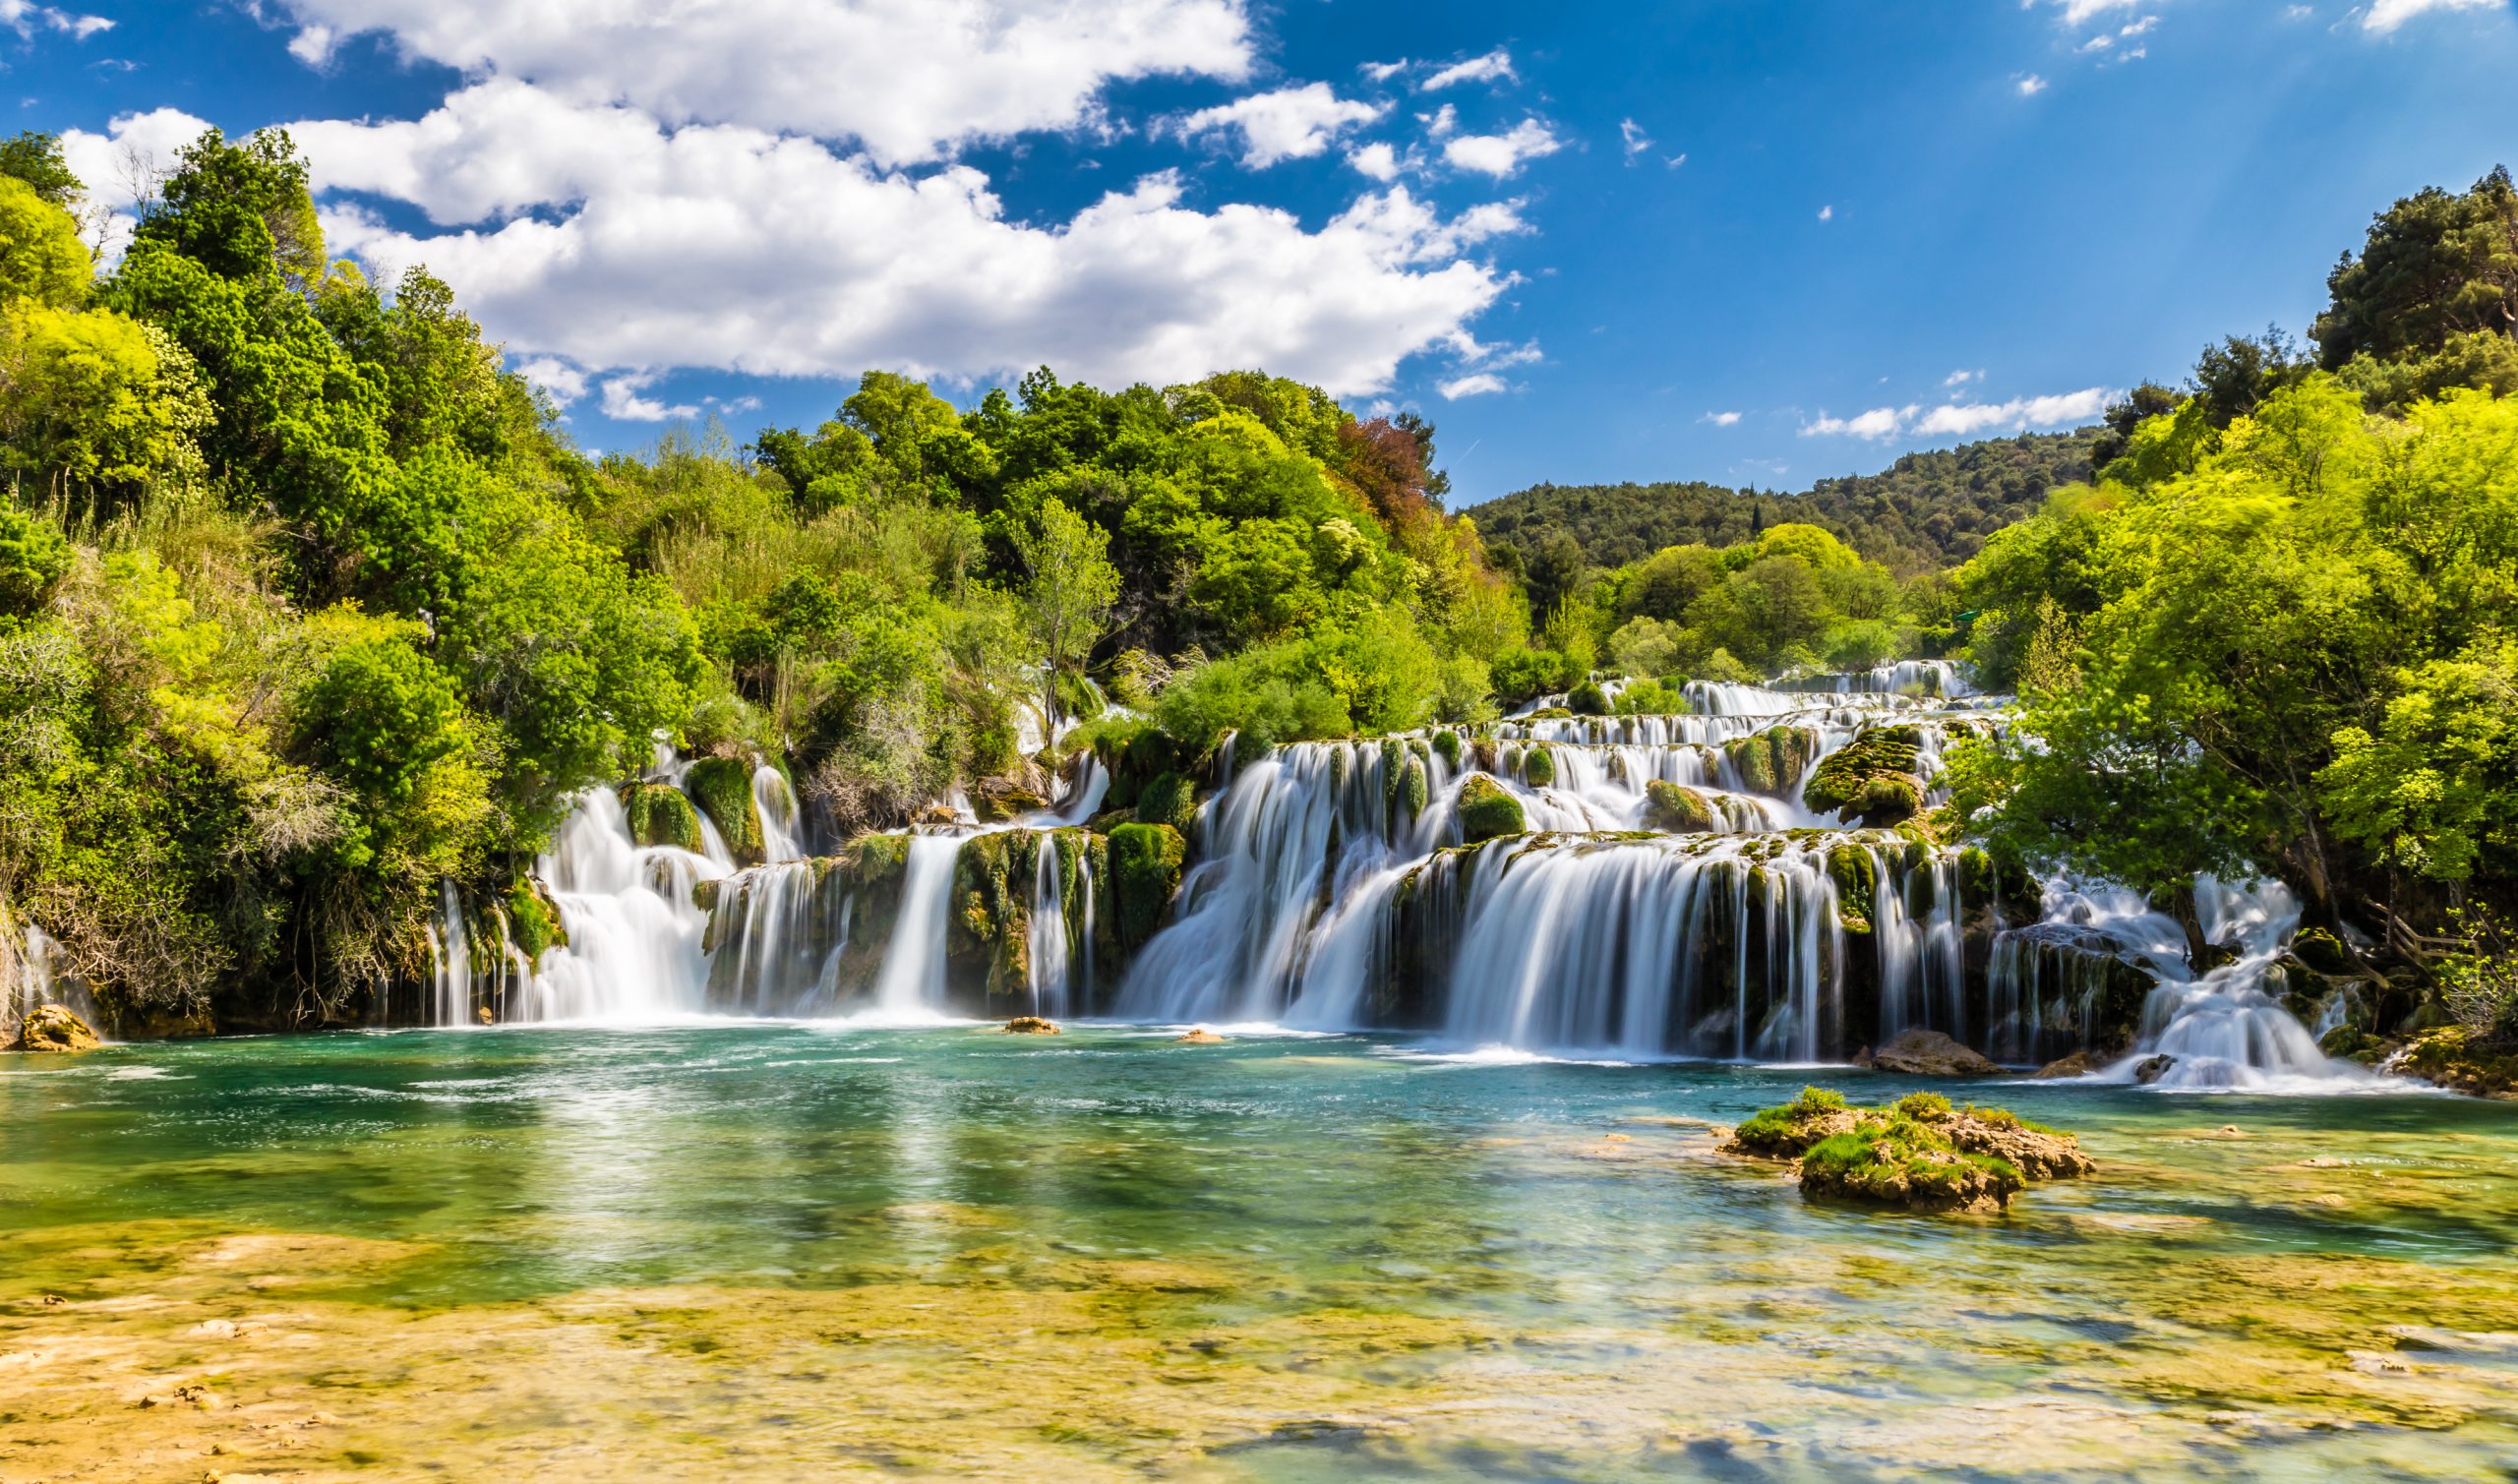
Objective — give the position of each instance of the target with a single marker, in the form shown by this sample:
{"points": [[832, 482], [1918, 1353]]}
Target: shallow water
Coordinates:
{"points": [[790, 1251]]}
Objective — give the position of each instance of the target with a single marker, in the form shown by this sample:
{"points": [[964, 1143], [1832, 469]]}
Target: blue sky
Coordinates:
{"points": [[1747, 242]]}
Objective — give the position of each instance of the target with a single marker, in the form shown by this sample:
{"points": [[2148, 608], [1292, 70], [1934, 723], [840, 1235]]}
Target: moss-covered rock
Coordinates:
{"points": [[1145, 873], [2323, 953], [1771, 762], [1447, 748], [1588, 699], [54, 1029], [1920, 1154], [534, 924], [1487, 811], [722, 787], [1674, 810], [2452, 1057], [1871, 780], [1135, 754], [1856, 875], [1412, 787], [993, 800], [661, 814], [1168, 798], [1538, 768]]}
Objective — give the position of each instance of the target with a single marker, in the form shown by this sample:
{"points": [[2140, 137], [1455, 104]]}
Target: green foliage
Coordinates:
{"points": [[1654, 699], [1538, 768], [2436, 265], [1924, 1107], [41, 258], [1586, 699], [1924, 511], [661, 814], [34, 558], [722, 787], [1871, 778], [37, 159], [1169, 800]]}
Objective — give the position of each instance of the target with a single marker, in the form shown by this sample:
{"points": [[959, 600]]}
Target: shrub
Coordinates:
{"points": [[1588, 699], [1924, 1107]]}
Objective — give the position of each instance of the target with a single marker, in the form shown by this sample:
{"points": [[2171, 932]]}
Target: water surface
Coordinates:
{"points": [[798, 1251]]}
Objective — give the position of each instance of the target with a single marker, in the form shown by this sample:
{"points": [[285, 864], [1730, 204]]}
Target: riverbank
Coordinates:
{"points": [[806, 1252]]}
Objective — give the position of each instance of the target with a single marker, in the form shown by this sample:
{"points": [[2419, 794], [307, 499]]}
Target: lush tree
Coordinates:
{"points": [[2436, 265], [1072, 588], [37, 159], [41, 258]]}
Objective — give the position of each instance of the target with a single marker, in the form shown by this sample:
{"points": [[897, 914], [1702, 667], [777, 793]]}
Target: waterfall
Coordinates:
{"points": [[1047, 952], [780, 838], [911, 989], [450, 963], [635, 935]]}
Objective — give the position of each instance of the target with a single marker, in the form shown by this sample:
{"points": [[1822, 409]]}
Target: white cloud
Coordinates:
{"points": [[2384, 15], [1967, 419], [620, 399], [1722, 419], [2080, 12], [1495, 64], [1878, 421], [1442, 123], [1501, 155], [1827, 213], [1636, 141], [24, 17], [1383, 71], [1290, 123], [731, 248], [1962, 378], [910, 80], [566, 383], [1378, 160], [1482, 383], [2031, 86]]}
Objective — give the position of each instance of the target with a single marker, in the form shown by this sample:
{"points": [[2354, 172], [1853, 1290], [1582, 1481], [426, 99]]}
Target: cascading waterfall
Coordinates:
{"points": [[912, 985], [635, 935]]}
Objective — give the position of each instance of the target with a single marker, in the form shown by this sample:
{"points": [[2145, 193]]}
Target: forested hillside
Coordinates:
{"points": [[1926, 511]]}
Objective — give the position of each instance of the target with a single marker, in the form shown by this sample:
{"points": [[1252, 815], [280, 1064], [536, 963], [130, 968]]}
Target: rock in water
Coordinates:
{"points": [[2075, 1065], [1031, 1025], [1931, 1053], [1200, 1037], [2152, 1069], [1920, 1154], [54, 1028]]}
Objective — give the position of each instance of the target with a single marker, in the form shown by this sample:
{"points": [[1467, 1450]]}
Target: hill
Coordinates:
{"points": [[1927, 511]]}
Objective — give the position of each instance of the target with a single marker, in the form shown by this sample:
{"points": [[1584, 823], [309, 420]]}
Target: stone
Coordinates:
{"points": [[2452, 1058], [1487, 811], [2323, 953], [2152, 1069], [722, 787], [1931, 1053], [54, 1028], [1199, 1036], [661, 814], [1674, 810], [2075, 1065], [1031, 1025], [1871, 780]]}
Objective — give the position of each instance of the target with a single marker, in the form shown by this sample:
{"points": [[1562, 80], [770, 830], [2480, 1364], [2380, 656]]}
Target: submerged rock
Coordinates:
{"points": [[54, 1028], [1199, 1036], [1929, 1054], [1031, 1025], [2152, 1069]]}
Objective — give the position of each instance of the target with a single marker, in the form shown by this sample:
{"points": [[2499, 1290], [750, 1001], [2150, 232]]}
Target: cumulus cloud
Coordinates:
{"points": [[1290, 123], [910, 81], [1501, 155], [2385, 15], [597, 236], [621, 400], [565, 383], [1722, 419], [1378, 160], [2031, 86], [1496, 64], [1479, 384], [1966, 419], [26, 18]]}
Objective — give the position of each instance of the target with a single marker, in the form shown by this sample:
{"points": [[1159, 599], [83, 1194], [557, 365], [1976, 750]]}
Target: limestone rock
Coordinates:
{"points": [[1931, 1053], [1487, 811], [2152, 1069], [1871, 780], [1677, 810], [1199, 1036], [2075, 1065], [1031, 1025], [54, 1028]]}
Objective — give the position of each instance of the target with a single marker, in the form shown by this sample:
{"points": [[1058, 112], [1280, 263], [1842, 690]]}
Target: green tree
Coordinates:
{"points": [[2434, 265], [41, 258], [37, 159], [1071, 590]]}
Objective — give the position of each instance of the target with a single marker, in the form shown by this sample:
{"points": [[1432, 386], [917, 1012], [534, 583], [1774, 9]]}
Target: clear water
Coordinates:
{"points": [[800, 1251]]}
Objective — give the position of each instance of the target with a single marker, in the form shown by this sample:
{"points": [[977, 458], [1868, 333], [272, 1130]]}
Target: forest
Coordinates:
{"points": [[309, 605]]}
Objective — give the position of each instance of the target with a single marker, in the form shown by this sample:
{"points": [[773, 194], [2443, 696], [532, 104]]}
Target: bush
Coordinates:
{"points": [[1169, 800], [1588, 699], [1924, 1107], [34, 558], [1652, 698]]}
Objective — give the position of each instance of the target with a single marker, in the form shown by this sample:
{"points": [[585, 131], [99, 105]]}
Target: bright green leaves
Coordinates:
{"points": [[41, 258], [34, 558]]}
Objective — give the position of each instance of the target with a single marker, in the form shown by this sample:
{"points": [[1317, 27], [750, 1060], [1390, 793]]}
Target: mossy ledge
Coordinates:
{"points": [[1919, 1154]]}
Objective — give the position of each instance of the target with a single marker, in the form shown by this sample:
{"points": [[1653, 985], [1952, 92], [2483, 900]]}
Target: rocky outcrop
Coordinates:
{"points": [[722, 787], [1919, 1155], [1772, 761], [1487, 811], [1031, 1025], [1927, 1053], [2452, 1057], [1674, 810], [661, 814], [54, 1028], [1871, 781]]}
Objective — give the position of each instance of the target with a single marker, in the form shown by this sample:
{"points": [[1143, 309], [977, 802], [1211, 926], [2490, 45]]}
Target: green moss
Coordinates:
{"points": [[1675, 810], [660, 815], [1902, 1162], [1928, 1107], [1487, 811], [1145, 872], [533, 923], [722, 787], [1857, 879], [1447, 748], [1588, 699], [1169, 800], [1871, 778], [1412, 787], [1538, 768], [1771, 762]]}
